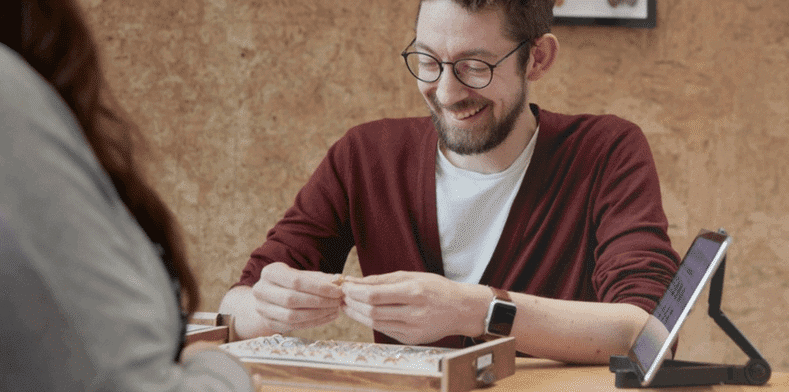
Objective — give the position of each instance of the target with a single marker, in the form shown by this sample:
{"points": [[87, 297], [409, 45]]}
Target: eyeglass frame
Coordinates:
{"points": [[405, 55]]}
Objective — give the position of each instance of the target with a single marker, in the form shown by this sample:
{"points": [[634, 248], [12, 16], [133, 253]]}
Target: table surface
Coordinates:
{"points": [[545, 375]]}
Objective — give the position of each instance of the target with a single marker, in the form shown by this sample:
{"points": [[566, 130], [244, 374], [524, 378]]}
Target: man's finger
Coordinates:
{"points": [[312, 282], [378, 313], [291, 299], [389, 327], [392, 277], [401, 293], [356, 315], [296, 316], [319, 321]]}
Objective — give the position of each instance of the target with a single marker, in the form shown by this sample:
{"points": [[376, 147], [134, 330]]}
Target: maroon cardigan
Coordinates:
{"points": [[587, 223]]}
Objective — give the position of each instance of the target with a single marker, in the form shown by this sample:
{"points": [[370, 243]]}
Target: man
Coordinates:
{"points": [[562, 212]]}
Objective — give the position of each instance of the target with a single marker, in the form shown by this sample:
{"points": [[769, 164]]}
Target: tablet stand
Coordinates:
{"points": [[674, 373]]}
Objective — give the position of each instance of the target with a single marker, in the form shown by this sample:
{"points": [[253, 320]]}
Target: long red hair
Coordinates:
{"points": [[52, 36]]}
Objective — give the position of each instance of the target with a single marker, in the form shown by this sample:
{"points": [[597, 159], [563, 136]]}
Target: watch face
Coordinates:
{"points": [[501, 318]]}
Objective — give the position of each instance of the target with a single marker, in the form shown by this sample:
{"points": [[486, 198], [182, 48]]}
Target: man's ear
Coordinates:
{"points": [[543, 54]]}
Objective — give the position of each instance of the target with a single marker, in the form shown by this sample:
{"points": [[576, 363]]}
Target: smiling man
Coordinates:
{"points": [[493, 217]]}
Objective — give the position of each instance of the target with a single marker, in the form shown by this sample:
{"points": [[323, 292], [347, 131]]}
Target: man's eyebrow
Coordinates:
{"points": [[471, 53]]}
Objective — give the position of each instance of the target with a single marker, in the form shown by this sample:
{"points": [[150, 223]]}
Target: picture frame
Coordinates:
{"points": [[623, 13]]}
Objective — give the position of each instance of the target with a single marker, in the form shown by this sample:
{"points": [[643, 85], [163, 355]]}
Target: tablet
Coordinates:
{"points": [[654, 342]]}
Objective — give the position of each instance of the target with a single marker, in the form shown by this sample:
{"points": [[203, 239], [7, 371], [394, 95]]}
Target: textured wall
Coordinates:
{"points": [[240, 100]]}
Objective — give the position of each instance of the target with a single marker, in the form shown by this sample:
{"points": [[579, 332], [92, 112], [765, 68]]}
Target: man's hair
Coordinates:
{"points": [[525, 20]]}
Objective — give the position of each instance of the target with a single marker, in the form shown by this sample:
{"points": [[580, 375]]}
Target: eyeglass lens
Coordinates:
{"points": [[473, 73]]}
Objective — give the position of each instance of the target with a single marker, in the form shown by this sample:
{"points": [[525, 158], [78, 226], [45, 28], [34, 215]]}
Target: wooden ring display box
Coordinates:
{"points": [[210, 327], [338, 365]]}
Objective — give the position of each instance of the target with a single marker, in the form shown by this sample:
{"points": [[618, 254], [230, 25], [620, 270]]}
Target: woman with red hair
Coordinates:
{"points": [[95, 284]]}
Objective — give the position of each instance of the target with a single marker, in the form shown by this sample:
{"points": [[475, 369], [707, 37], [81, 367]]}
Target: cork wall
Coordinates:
{"points": [[240, 100]]}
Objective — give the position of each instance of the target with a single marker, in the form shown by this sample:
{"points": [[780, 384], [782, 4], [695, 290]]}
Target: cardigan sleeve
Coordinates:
{"points": [[634, 258], [315, 232]]}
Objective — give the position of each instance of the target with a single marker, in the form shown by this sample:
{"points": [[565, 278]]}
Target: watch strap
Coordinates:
{"points": [[500, 294]]}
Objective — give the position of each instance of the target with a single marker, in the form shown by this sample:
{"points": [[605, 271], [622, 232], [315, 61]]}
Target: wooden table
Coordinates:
{"points": [[545, 375]]}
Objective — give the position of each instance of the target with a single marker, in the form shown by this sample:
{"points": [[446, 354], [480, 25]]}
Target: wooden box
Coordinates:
{"points": [[338, 365], [209, 327]]}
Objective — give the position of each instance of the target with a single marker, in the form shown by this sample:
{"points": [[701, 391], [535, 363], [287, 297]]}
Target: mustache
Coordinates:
{"points": [[458, 106]]}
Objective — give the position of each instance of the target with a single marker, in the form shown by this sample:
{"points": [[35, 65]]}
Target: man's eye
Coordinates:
{"points": [[428, 65], [473, 67]]}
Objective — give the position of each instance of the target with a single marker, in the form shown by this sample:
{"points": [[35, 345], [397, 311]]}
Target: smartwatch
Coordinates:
{"points": [[501, 315]]}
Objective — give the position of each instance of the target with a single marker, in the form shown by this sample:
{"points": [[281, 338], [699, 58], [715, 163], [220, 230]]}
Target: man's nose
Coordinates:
{"points": [[449, 90]]}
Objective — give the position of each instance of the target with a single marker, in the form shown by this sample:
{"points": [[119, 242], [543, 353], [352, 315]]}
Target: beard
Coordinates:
{"points": [[468, 141]]}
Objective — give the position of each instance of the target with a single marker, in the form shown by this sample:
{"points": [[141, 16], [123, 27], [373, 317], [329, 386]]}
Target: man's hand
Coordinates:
{"points": [[287, 299], [416, 307]]}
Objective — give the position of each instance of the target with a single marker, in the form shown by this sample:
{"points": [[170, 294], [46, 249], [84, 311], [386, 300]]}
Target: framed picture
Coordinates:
{"points": [[627, 13]]}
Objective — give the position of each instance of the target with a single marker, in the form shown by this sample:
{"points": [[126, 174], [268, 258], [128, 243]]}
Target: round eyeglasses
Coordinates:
{"points": [[471, 72]]}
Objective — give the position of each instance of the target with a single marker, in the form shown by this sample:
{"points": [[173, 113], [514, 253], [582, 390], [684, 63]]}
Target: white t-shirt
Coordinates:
{"points": [[472, 210]]}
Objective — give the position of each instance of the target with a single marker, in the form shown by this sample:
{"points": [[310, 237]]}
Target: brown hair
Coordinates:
{"points": [[526, 20], [52, 36]]}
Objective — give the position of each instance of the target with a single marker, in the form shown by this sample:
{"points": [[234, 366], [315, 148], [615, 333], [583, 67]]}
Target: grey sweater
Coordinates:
{"points": [[86, 303]]}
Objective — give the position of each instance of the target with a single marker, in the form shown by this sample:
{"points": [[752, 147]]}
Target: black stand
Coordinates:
{"points": [[674, 373]]}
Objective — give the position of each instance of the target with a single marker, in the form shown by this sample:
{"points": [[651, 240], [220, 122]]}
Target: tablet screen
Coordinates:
{"points": [[659, 333]]}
